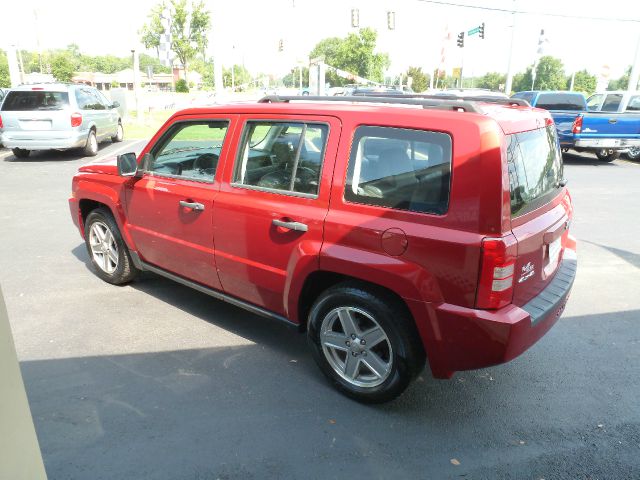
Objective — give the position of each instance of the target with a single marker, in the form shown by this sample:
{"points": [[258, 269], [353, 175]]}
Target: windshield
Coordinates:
{"points": [[35, 100], [535, 168]]}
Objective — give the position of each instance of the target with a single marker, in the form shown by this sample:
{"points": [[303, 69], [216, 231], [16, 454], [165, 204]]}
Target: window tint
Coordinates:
{"points": [[400, 168], [88, 100], [528, 96], [35, 100], [594, 101], [612, 102], [284, 156], [561, 101], [535, 168], [634, 104], [191, 150]]}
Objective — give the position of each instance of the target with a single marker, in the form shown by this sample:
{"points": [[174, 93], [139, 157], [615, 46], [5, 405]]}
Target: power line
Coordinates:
{"points": [[506, 10]]}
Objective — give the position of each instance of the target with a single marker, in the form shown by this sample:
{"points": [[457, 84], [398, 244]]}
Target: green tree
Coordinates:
{"points": [[354, 54], [550, 74], [241, 76], [623, 82], [188, 29], [420, 79], [5, 80], [181, 86], [492, 80], [62, 66], [583, 82], [149, 61], [292, 79]]}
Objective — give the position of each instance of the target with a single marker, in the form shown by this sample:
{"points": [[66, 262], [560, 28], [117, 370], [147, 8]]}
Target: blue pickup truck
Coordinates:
{"points": [[607, 134]]}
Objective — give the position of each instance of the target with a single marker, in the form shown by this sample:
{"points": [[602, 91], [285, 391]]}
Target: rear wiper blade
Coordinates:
{"points": [[562, 183]]}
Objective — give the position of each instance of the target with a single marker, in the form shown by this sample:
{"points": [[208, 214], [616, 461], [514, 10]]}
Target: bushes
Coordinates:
{"points": [[181, 86]]}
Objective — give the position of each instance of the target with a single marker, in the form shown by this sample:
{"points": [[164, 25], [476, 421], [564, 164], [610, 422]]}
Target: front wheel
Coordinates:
{"points": [[21, 152], [633, 153], [109, 254], [364, 342], [607, 155]]}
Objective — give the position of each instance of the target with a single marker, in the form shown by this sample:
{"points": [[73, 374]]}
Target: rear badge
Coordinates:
{"points": [[527, 272]]}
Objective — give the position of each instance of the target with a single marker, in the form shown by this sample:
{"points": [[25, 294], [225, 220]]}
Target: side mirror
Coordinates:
{"points": [[145, 164], [127, 164], [115, 104]]}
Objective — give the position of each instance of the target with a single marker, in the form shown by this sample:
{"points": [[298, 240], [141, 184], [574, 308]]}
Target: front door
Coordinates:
{"points": [[170, 209], [269, 213]]}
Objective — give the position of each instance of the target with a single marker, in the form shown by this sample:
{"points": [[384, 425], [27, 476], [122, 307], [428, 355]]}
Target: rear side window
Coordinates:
{"points": [[400, 168], [595, 101], [634, 104], [528, 96], [88, 99], [535, 168], [35, 100], [560, 101], [282, 156]]}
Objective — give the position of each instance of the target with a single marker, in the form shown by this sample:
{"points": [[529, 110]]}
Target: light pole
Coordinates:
{"points": [[136, 83]]}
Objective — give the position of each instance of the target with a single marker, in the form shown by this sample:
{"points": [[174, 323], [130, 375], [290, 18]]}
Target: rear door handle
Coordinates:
{"points": [[297, 226], [198, 207]]}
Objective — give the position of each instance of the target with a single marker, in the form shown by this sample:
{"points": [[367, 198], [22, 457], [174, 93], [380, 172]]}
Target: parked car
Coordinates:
{"points": [[471, 92], [604, 133], [393, 230], [617, 101], [57, 116]]}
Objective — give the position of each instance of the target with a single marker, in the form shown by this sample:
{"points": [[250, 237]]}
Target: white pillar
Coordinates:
{"points": [[14, 70], [136, 84], [635, 70], [509, 82]]}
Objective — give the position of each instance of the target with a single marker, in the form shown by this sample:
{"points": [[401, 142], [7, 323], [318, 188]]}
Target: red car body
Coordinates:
{"points": [[433, 262]]}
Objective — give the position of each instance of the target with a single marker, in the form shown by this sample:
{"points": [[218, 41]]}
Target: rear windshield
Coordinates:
{"points": [[35, 100], [535, 168], [561, 101]]}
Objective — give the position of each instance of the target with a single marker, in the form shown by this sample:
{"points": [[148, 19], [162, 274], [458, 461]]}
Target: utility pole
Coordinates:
{"points": [[136, 84], [14, 69], [635, 70], [509, 82]]}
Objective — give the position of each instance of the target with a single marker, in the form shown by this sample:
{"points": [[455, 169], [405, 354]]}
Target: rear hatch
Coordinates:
{"points": [[540, 209], [26, 112]]}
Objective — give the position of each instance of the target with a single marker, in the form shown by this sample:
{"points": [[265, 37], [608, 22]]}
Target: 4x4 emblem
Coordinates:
{"points": [[527, 272]]}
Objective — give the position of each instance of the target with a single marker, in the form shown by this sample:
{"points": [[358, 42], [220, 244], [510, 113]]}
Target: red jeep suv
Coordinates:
{"points": [[393, 230]]}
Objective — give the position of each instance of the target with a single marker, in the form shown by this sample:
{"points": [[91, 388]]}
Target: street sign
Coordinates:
{"points": [[473, 31]]}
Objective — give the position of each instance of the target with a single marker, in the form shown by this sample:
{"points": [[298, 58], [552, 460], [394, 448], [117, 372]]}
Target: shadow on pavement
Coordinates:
{"points": [[577, 159], [55, 155]]}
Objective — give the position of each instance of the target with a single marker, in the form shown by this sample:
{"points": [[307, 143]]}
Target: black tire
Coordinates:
{"points": [[20, 152], [124, 270], [633, 153], [606, 155], [119, 136], [91, 147], [405, 358]]}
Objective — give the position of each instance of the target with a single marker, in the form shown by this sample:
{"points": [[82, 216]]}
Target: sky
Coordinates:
{"points": [[248, 32]]}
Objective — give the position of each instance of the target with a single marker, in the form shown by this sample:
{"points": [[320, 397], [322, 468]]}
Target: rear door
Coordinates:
{"points": [[170, 209], [25, 112], [540, 209], [269, 214]]}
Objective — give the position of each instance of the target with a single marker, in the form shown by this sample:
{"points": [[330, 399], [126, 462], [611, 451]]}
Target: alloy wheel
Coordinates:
{"points": [[103, 247]]}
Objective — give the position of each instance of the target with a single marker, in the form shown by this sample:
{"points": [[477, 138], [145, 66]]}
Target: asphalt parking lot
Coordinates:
{"points": [[156, 381]]}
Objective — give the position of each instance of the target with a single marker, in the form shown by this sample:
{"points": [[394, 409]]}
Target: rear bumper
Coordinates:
{"points": [[613, 143], [43, 140], [467, 339]]}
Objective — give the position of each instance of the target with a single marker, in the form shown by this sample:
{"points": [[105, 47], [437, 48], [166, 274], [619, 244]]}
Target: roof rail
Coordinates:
{"points": [[520, 102], [436, 102]]}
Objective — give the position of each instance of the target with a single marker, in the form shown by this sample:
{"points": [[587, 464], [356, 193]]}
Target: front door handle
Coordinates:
{"points": [[297, 226], [198, 207]]}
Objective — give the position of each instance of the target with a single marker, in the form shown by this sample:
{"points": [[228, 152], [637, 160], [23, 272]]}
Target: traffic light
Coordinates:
{"points": [[391, 20], [460, 41], [281, 45], [481, 31], [355, 17]]}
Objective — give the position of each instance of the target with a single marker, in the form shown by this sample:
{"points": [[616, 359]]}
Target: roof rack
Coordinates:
{"points": [[440, 102], [436, 103]]}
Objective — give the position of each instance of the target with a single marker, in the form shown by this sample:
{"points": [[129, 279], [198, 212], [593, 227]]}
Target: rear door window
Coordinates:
{"points": [[535, 168], [400, 168], [634, 104], [612, 102], [561, 101], [595, 101], [281, 156], [35, 100]]}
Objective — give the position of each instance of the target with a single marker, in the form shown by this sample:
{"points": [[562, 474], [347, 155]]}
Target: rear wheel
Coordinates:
{"points": [[21, 152], [607, 155], [119, 136], [109, 254], [91, 147], [365, 342]]}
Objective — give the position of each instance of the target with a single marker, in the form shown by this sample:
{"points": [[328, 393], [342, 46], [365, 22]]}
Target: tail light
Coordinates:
{"points": [[495, 288], [76, 119], [1, 125], [577, 125]]}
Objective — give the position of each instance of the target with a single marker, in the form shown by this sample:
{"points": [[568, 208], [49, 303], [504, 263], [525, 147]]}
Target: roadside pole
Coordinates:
{"points": [[509, 83], [136, 84], [14, 70], [635, 70]]}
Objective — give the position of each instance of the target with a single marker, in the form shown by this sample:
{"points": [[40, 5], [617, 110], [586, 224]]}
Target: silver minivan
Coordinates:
{"points": [[57, 116]]}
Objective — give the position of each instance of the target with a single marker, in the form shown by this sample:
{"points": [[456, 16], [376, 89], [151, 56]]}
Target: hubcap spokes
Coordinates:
{"points": [[356, 347], [103, 247]]}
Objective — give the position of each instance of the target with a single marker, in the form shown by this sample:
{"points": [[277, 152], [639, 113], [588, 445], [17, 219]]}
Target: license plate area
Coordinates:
{"points": [[552, 256], [35, 124]]}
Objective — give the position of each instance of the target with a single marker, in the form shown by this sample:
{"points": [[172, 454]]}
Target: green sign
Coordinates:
{"points": [[473, 31]]}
